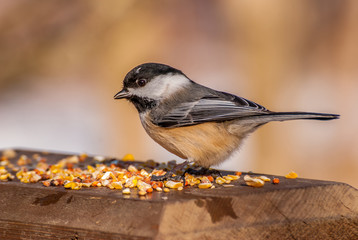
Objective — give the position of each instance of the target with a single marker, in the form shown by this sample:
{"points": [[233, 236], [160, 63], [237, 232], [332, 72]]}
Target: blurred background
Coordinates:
{"points": [[62, 63]]}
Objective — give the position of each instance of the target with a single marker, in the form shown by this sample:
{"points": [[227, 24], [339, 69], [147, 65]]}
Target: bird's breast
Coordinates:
{"points": [[206, 144]]}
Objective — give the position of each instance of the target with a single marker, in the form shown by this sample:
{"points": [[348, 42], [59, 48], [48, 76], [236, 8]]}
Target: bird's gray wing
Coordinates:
{"points": [[218, 108]]}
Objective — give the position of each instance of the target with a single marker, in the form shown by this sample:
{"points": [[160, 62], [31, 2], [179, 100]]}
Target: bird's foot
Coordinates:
{"points": [[171, 174], [202, 171]]}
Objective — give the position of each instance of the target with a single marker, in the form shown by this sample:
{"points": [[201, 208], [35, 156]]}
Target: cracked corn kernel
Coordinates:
{"points": [[228, 178], [291, 175], [205, 185], [106, 175], [73, 185], [128, 157], [142, 193], [46, 183], [172, 184], [2, 170], [86, 184], [5, 177], [234, 177], [253, 182], [220, 180], [117, 185], [131, 182], [264, 178], [143, 185], [275, 181], [166, 190], [144, 173], [210, 178], [90, 168], [126, 191], [132, 169]]}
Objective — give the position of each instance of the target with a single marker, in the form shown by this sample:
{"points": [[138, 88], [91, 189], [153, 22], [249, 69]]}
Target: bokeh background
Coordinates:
{"points": [[61, 64]]}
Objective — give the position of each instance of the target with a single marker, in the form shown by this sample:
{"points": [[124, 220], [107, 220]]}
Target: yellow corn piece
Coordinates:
{"points": [[90, 168], [234, 177], [205, 185], [291, 175], [4, 177], [220, 180], [253, 182], [172, 184], [264, 178], [77, 186], [68, 184], [228, 178], [117, 185], [128, 157], [86, 184]]}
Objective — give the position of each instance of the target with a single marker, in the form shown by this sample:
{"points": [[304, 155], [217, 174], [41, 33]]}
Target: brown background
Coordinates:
{"points": [[61, 64]]}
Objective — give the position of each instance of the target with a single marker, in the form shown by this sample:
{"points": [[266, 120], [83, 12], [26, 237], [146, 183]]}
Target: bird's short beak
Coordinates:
{"points": [[122, 94]]}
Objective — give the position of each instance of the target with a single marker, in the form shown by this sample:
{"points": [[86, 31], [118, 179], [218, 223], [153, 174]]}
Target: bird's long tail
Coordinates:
{"points": [[284, 116]]}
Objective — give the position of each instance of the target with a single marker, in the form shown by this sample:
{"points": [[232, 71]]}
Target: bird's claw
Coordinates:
{"points": [[168, 176], [203, 171]]}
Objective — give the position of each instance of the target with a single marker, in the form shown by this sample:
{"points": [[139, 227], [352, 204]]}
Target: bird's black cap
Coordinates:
{"points": [[147, 71]]}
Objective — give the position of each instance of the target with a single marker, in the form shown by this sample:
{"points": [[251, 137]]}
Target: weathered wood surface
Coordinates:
{"points": [[294, 209]]}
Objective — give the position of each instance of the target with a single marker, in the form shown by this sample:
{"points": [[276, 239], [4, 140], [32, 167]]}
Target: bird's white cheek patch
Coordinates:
{"points": [[171, 83], [161, 87]]}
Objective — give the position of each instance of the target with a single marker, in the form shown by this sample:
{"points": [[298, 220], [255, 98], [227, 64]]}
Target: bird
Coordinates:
{"points": [[192, 121]]}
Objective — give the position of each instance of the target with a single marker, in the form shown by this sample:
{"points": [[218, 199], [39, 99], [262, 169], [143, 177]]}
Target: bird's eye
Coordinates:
{"points": [[141, 82]]}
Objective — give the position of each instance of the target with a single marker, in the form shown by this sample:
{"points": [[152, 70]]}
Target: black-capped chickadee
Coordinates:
{"points": [[192, 121]]}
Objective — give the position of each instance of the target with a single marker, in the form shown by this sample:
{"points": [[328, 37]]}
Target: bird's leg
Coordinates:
{"points": [[169, 174]]}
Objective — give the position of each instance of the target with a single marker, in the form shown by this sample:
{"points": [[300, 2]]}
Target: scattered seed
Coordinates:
{"points": [[291, 175], [126, 191], [142, 193], [205, 185], [275, 181], [253, 182]]}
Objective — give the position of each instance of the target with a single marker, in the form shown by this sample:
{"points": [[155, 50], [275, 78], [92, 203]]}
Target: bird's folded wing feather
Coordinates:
{"points": [[210, 108]]}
